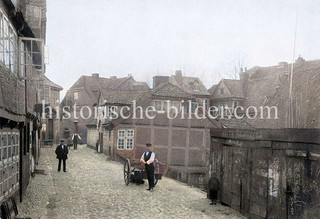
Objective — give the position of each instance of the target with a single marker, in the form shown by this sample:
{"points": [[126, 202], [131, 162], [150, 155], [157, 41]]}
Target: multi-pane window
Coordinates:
{"points": [[8, 44], [9, 156], [157, 105], [176, 104], [191, 107], [111, 112], [125, 139], [161, 105], [23, 61]]}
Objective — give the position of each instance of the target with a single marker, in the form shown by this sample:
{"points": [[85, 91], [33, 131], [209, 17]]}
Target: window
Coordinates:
{"points": [[111, 112], [8, 44], [161, 105], [176, 104], [125, 139], [194, 105], [23, 62], [157, 105], [9, 152], [221, 91]]}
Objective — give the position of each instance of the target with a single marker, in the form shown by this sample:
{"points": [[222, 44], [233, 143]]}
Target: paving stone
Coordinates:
{"points": [[94, 188]]}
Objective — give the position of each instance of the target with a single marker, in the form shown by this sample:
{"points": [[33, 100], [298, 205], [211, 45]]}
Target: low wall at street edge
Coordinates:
{"points": [[268, 173]]}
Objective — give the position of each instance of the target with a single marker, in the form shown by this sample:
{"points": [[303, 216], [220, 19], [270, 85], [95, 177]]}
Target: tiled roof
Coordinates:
{"points": [[169, 90], [191, 85], [305, 93], [212, 89], [89, 87], [122, 96], [234, 123], [235, 88], [52, 84]]}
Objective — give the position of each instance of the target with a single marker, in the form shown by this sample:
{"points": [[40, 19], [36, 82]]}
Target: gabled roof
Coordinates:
{"points": [[90, 87], [169, 90], [52, 84], [212, 89], [234, 88], [191, 85], [305, 93], [124, 97]]}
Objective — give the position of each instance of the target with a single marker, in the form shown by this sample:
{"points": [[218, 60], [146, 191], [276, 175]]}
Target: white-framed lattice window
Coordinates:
{"points": [[4, 139], [161, 105], [31, 57], [8, 44], [125, 139], [112, 112], [9, 152]]}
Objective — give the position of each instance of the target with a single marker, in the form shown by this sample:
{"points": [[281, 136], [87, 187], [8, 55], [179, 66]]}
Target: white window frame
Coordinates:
{"points": [[125, 139], [9, 181], [27, 54], [111, 112], [8, 44], [163, 105]]}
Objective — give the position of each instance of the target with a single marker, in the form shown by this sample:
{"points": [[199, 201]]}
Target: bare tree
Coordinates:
{"points": [[233, 67]]}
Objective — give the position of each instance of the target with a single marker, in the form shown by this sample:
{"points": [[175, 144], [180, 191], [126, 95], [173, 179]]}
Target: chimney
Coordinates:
{"points": [[96, 75], [178, 73], [113, 77], [157, 80], [300, 60], [178, 76]]}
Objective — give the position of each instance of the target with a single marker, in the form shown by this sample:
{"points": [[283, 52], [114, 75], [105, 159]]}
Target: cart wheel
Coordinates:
{"points": [[155, 180], [126, 171]]}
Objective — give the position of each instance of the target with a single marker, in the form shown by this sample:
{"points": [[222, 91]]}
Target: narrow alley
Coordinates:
{"points": [[93, 187]]}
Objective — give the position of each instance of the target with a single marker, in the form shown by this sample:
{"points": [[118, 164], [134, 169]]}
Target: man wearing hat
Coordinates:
{"points": [[147, 158], [62, 154]]}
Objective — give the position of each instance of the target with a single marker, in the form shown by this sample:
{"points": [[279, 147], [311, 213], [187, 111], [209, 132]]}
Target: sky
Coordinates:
{"points": [[203, 38]]}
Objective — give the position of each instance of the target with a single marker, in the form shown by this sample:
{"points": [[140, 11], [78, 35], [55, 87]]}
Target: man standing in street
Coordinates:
{"points": [[75, 139], [62, 154], [147, 158]]}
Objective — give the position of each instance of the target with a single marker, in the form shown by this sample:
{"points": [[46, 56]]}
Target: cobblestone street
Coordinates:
{"points": [[94, 188]]}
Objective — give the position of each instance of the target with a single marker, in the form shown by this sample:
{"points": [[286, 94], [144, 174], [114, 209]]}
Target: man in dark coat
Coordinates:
{"points": [[148, 158], [62, 154], [213, 188]]}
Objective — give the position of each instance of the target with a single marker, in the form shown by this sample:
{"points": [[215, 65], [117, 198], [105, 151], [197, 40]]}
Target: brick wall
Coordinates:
{"points": [[12, 92]]}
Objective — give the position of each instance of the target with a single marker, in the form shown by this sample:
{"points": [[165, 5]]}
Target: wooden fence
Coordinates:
{"points": [[268, 173]]}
